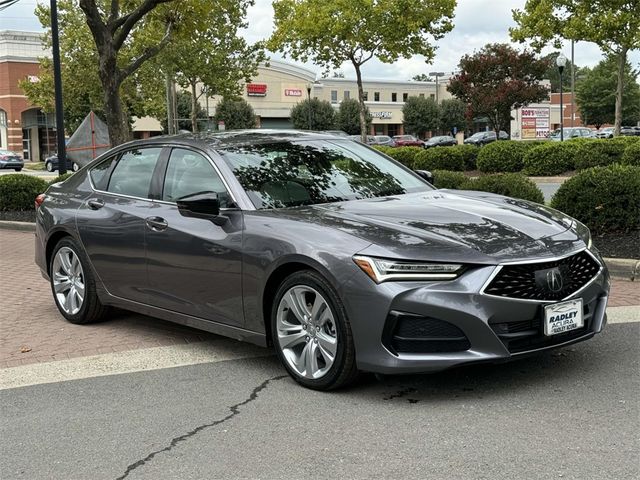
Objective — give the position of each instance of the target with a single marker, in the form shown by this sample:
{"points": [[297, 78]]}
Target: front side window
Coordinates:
{"points": [[98, 173], [132, 175], [188, 173], [289, 174]]}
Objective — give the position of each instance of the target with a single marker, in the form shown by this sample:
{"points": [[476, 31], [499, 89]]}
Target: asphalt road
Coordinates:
{"points": [[548, 189], [571, 414], [33, 173]]}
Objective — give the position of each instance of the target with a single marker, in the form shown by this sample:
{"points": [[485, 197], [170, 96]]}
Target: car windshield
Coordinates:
{"points": [[290, 174], [438, 139], [477, 135]]}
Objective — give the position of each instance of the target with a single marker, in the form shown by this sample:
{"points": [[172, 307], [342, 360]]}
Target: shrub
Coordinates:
{"points": [[631, 155], [440, 158], [594, 153], [18, 192], [405, 155], [513, 185], [448, 179], [502, 156], [61, 178], [469, 155], [384, 149], [550, 158], [606, 199]]}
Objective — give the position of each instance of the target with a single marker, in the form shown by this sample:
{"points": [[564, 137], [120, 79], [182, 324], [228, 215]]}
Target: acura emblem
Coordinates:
{"points": [[554, 280]]}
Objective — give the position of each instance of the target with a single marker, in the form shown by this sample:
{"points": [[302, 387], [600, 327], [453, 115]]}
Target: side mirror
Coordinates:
{"points": [[425, 175], [199, 205]]}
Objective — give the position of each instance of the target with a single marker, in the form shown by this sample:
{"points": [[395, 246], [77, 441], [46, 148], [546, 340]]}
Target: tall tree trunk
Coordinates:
{"points": [[194, 107], [116, 117], [622, 62], [363, 108]]}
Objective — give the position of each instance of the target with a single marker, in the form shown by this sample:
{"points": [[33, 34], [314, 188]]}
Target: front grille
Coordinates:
{"points": [[529, 281], [523, 335], [409, 333]]}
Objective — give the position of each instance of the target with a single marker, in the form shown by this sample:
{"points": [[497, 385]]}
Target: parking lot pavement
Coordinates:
{"points": [[32, 330]]}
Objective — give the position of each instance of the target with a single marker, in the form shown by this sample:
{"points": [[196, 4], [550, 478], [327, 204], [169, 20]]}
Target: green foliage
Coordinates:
{"points": [[236, 113], [550, 158], [452, 115], [502, 156], [61, 178], [422, 77], [405, 155], [18, 192], [323, 116], [348, 116], [448, 179], [631, 155], [496, 79], [553, 75], [440, 158], [384, 149], [596, 94], [597, 153], [513, 185], [469, 155], [606, 199], [420, 115]]}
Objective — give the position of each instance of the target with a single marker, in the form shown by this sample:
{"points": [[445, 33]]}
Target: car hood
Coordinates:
{"points": [[447, 225]]}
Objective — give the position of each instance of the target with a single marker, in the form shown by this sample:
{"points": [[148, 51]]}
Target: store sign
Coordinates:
{"points": [[292, 92], [256, 89], [535, 123], [381, 114]]}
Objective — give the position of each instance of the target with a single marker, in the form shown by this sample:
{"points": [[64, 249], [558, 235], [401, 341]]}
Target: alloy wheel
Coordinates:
{"points": [[68, 280], [306, 330]]}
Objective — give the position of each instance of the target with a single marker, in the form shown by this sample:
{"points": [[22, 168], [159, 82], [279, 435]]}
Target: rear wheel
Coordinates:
{"points": [[49, 166], [18, 169], [73, 284], [75, 167], [312, 334]]}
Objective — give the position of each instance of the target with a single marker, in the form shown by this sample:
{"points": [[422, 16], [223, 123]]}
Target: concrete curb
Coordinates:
{"points": [[21, 226]]}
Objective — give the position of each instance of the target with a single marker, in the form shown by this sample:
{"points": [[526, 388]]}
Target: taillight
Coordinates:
{"points": [[39, 199]]}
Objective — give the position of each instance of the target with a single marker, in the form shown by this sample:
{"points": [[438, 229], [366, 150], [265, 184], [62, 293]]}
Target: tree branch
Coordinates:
{"points": [[146, 55], [94, 21], [126, 22], [115, 9]]}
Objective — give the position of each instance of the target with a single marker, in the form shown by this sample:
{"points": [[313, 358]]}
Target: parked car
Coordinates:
{"points": [[10, 159], [407, 141], [630, 131], [339, 133], [370, 139], [483, 138], [441, 141], [571, 133], [385, 140], [606, 132], [340, 257], [51, 164]]}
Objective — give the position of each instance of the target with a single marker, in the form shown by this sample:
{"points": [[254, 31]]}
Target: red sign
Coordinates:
{"points": [[256, 89], [293, 92]]}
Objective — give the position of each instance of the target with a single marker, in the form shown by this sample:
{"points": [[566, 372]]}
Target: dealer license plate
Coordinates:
{"points": [[563, 317]]}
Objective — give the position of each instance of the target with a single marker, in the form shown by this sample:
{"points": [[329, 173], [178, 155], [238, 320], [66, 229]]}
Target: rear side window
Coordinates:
{"points": [[99, 173], [132, 175]]}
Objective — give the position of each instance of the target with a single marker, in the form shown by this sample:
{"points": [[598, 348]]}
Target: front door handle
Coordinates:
{"points": [[95, 204], [157, 224]]}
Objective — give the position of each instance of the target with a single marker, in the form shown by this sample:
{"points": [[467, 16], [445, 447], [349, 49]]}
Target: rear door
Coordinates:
{"points": [[194, 264]]}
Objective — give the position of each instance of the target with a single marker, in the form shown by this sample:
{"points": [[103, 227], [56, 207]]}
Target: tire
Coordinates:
{"points": [[75, 167], [90, 309], [49, 166], [309, 343], [18, 169]]}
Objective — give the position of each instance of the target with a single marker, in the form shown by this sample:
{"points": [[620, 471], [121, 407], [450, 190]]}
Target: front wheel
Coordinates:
{"points": [[49, 166], [312, 334], [18, 169], [75, 167]]}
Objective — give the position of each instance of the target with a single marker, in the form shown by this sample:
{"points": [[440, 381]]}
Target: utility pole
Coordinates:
{"points": [[437, 75], [57, 79], [573, 85]]}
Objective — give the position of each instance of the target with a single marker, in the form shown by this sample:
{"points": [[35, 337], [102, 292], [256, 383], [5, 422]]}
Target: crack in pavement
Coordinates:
{"points": [[235, 410]]}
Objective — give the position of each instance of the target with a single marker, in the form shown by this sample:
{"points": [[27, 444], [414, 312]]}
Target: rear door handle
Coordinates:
{"points": [[157, 224], [95, 204]]}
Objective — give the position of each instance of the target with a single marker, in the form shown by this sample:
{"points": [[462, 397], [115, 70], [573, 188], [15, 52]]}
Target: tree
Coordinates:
{"points": [[422, 77], [420, 115], [184, 110], [211, 54], [497, 79], [348, 117], [332, 32], [452, 115], [614, 25], [236, 113], [322, 115], [596, 98]]}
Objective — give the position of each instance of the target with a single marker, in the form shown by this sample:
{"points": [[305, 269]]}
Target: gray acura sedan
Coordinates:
{"points": [[338, 256]]}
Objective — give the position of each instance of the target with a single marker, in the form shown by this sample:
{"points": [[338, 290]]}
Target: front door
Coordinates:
{"points": [[194, 264]]}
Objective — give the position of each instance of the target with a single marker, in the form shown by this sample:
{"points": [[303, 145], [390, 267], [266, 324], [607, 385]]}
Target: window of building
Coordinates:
{"points": [[393, 130], [394, 97], [376, 96], [432, 96], [132, 175], [346, 95], [365, 96], [422, 95], [405, 96], [334, 96]]}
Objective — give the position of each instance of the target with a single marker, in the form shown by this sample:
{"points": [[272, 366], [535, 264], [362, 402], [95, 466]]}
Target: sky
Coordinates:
{"points": [[477, 22]]}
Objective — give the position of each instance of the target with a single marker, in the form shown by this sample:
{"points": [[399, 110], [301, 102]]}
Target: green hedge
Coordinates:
{"points": [[502, 156], [18, 192], [469, 155], [61, 178], [605, 199], [405, 155], [550, 158], [597, 153], [513, 185], [631, 155], [440, 158], [448, 179]]}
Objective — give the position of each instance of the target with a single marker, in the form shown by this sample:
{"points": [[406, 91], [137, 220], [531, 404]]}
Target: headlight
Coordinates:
{"points": [[381, 270]]}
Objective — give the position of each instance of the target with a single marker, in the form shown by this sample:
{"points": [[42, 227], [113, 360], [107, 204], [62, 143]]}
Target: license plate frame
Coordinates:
{"points": [[563, 317]]}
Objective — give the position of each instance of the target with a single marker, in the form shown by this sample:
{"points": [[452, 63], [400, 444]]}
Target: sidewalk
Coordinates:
{"points": [[33, 331]]}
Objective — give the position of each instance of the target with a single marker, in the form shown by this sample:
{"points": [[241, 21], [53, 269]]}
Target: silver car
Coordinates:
{"points": [[11, 160], [336, 255]]}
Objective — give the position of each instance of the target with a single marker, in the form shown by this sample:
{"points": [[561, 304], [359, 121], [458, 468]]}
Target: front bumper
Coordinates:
{"points": [[479, 316], [11, 164]]}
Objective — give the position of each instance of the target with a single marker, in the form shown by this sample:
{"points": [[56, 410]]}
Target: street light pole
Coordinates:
{"points": [[57, 79], [437, 75], [309, 110], [561, 61]]}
